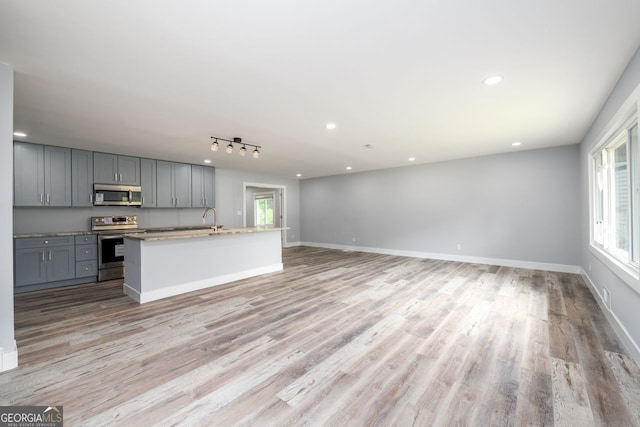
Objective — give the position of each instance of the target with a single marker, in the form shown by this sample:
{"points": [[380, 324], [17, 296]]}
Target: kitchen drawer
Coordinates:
{"points": [[39, 242], [86, 252], [86, 239], [86, 268]]}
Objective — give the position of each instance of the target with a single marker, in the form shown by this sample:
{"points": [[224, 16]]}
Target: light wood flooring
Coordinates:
{"points": [[336, 339]]}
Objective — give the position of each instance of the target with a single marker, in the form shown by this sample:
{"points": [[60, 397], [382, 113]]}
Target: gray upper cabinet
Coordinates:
{"points": [[81, 178], [57, 176], [114, 169], [202, 186], [173, 184], [148, 182], [28, 174], [42, 175], [129, 170]]}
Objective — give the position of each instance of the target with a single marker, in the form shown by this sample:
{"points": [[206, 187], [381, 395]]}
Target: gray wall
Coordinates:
{"points": [[36, 220], [517, 206], [625, 302], [6, 196]]}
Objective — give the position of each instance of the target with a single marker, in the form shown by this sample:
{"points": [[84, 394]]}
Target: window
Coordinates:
{"points": [[615, 196], [263, 209]]}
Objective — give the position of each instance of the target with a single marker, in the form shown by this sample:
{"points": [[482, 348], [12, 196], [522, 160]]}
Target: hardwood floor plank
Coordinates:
{"points": [[570, 400], [337, 339], [628, 378]]}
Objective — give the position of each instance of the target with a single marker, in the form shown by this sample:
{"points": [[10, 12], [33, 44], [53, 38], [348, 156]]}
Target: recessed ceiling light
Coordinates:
{"points": [[492, 80], [207, 161], [330, 126], [298, 175], [20, 134], [348, 168], [412, 159], [516, 144]]}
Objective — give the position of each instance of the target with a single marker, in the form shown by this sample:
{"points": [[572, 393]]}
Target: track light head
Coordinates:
{"points": [[243, 150], [256, 153], [229, 148], [214, 144]]}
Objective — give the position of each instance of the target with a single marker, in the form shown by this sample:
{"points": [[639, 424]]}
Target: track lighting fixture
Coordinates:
{"points": [[235, 140]]}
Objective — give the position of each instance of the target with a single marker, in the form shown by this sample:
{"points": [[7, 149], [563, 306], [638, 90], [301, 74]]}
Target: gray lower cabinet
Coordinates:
{"points": [[115, 169], [202, 186], [42, 175], [173, 184], [31, 267], [40, 260], [81, 178], [86, 256], [148, 182]]}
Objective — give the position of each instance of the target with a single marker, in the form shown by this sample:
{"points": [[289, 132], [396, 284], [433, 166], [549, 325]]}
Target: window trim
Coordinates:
{"points": [[626, 116]]}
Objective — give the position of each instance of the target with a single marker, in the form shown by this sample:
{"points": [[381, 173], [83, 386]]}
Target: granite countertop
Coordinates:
{"points": [[189, 233], [58, 234]]}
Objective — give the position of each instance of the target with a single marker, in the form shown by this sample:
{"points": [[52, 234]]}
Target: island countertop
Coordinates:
{"points": [[198, 232]]}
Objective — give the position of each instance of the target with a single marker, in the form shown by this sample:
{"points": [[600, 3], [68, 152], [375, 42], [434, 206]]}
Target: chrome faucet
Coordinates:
{"points": [[215, 217]]}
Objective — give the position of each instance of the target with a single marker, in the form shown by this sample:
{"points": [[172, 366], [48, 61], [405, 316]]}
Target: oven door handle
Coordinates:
{"points": [[119, 236]]}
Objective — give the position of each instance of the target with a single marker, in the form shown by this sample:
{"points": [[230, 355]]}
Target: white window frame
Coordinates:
{"points": [[619, 262], [261, 196]]}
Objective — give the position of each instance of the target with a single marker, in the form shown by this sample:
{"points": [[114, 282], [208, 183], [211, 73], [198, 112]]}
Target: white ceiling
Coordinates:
{"points": [[157, 78]]}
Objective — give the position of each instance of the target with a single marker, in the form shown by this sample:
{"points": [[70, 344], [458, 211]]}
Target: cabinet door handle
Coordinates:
{"points": [[91, 198], [86, 252], [142, 201], [47, 198], [115, 176], [41, 198], [43, 255], [120, 177], [49, 255], [177, 201]]}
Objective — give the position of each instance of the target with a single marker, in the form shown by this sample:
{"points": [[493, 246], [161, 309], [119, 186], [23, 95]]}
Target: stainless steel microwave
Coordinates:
{"points": [[117, 195]]}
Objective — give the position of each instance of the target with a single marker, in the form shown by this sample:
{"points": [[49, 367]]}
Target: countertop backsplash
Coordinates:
{"points": [[56, 220]]}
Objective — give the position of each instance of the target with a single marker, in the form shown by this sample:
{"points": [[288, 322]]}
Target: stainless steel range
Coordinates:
{"points": [[111, 243]]}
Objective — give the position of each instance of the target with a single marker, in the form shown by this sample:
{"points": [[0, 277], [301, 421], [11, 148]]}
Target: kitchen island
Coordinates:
{"points": [[163, 264]]}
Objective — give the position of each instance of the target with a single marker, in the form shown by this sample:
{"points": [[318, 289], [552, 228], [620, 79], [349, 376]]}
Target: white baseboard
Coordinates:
{"points": [[291, 244], [627, 342], [144, 297], [559, 268], [8, 358]]}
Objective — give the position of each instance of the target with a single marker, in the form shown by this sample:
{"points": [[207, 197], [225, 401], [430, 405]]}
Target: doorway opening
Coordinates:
{"points": [[265, 205]]}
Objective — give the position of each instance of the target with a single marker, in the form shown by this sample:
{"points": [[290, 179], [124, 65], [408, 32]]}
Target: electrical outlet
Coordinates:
{"points": [[353, 239], [239, 213], [458, 246]]}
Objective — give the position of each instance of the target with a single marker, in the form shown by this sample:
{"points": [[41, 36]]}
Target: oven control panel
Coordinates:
{"points": [[124, 222]]}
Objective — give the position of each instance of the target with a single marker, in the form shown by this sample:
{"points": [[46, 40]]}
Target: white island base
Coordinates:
{"points": [[161, 265]]}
